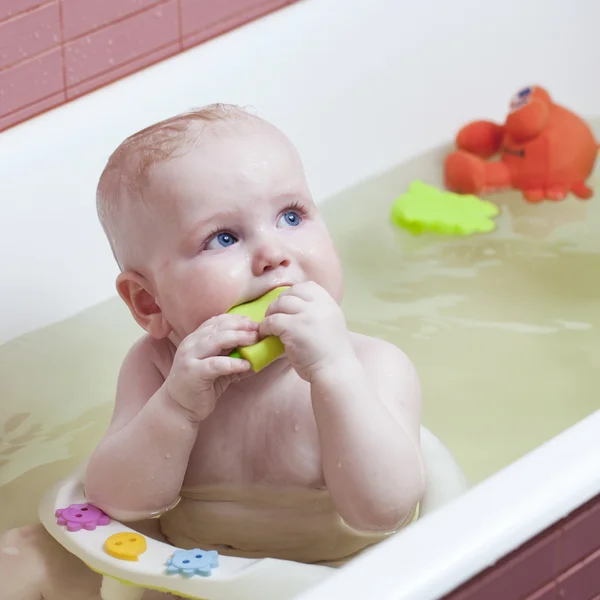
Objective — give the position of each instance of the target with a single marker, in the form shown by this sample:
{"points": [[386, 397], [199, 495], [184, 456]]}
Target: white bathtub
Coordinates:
{"points": [[358, 90]]}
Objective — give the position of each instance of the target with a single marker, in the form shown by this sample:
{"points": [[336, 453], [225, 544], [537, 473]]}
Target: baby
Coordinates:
{"points": [[312, 459]]}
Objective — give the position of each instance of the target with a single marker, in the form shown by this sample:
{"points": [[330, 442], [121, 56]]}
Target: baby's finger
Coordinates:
{"points": [[222, 341], [289, 305], [222, 366], [235, 377], [276, 324], [227, 321], [308, 290]]}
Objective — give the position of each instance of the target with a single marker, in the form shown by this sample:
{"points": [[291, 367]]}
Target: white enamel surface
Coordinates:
{"points": [[358, 90]]}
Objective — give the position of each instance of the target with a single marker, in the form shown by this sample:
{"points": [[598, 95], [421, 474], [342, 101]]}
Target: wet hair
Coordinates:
{"points": [[126, 173]]}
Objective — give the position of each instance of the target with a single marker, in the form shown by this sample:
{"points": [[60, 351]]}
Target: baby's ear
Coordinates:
{"points": [[136, 293]]}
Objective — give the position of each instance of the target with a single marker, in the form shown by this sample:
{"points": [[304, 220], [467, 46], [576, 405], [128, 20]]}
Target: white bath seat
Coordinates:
{"points": [[234, 578]]}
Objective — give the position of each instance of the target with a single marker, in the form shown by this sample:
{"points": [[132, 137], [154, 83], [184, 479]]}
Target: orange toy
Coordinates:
{"points": [[546, 151]]}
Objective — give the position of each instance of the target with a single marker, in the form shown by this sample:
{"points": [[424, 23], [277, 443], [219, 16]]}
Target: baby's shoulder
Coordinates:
{"points": [[148, 353], [394, 377], [384, 360], [376, 350]]}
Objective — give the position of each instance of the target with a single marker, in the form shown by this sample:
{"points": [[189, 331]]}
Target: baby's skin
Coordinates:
{"points": [[337, 415]]}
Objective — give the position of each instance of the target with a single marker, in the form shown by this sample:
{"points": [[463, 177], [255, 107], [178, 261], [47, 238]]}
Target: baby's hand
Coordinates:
{"points": [[201, 370], [311, 326]]}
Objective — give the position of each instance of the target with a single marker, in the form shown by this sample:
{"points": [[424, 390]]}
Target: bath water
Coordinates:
{"points": [[504, 329]]}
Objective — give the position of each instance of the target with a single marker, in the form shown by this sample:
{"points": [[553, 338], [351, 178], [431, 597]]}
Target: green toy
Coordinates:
{"points": [[426, 208], [262, 353]]}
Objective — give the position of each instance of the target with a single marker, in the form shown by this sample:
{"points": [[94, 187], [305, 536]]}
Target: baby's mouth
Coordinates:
{"points": [[265, 291], [270, 288]]}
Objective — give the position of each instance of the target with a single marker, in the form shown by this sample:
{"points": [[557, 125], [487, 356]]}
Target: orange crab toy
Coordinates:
{"points": [[546, 151]]}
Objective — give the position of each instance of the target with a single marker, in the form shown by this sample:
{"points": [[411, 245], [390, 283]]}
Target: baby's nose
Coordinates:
{"points": [[269, 256]]}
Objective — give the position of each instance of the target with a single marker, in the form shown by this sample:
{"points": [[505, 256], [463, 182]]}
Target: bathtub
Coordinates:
{"points": [[371, 94]]}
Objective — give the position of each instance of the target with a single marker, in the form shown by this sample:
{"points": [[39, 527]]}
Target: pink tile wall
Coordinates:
{"points": [[52, 51]]}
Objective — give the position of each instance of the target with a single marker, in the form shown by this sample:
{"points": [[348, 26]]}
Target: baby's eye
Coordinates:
{"points": [[290, 218], [221, 240]]}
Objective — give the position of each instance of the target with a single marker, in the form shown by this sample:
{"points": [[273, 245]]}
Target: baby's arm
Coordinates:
{"points": [[367, 404], [367, 411], [138, 467]]}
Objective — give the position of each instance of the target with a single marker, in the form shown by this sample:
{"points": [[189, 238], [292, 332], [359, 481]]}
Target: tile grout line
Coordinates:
{"points": [[31, 9], [81, 36], [30, 104], [40, 53], [43, 52], [30, 59], [63, 42]]}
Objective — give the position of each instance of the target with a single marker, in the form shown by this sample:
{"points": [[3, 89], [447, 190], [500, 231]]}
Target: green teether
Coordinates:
{"points": [[268, 349], [426, 208]]}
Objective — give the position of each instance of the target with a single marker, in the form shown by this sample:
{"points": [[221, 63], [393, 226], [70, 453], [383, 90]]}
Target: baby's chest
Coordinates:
{"points": [[272, 442]]}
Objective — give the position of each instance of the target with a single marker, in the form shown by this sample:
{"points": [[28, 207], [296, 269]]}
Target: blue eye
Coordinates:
{"points": [[290, 218], [226, 239], [221, 240]]}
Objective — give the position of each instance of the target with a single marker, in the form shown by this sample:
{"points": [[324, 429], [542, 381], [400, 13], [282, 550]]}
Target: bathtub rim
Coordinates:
{"points": [[526, 497]]}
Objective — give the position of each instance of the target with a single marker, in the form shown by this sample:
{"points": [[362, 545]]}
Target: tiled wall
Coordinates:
{"points": [[52, 51], [562, 563]]}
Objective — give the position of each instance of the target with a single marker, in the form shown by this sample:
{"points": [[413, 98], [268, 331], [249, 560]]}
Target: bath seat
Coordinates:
{"points": [[145, 564]]}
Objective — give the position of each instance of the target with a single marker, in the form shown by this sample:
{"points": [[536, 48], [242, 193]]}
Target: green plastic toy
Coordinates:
{"points": [[262, 353], [425, 208]]}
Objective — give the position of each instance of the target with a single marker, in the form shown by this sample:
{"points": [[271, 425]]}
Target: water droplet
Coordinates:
{"points": [[110, 42], [111, 61], [88, 40], [296, 428], [158, 13], [55, 38], [167, 455], [339, 465], [36, 35]]}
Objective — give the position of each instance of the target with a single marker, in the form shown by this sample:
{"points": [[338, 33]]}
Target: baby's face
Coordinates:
{"points": [[233, 219]]}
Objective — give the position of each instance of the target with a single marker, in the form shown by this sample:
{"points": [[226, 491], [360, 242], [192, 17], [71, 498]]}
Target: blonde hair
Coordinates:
{"points": [[126, 173]]}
